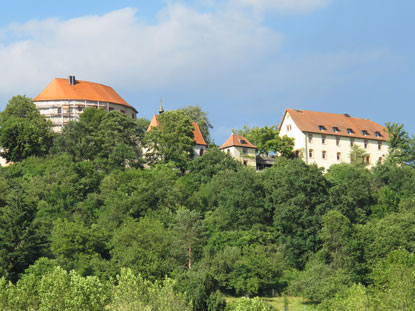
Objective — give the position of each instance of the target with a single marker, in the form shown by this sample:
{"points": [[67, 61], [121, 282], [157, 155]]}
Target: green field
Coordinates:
{"points": [[294, 303]]}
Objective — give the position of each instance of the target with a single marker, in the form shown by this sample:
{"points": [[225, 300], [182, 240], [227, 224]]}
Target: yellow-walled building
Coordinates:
{"points": [[241, 149]]}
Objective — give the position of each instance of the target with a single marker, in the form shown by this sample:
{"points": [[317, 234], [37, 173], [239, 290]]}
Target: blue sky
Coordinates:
{"points": [[242, 61]]}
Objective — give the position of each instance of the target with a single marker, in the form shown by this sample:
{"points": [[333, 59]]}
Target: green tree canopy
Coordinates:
{"points": [[196, 114], [267, 139], [23, 130], [172, 140]]}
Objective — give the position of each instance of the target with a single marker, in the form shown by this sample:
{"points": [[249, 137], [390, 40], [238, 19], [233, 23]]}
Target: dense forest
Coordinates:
{"points": [[89, 222]]}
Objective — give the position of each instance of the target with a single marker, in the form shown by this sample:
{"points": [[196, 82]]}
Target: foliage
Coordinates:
{"points": [[248, 304], [350, 192], [213, 161], [358, 156], [267, 139], [23, 130], [296, 194], [171, 141], [111, 139], [401, 147], [196, 114]]}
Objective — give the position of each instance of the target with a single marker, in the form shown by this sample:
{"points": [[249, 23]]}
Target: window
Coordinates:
{"points": [[59, 110], [337, 141], [80, 108], [228, 151], [242, 141], [289, 127], [366, 159], [366, 143], [201, 151], [310, 153], [364, 133], [380, 160], [122, 111], [379, 145], [245, 162], [335, 129], [133, 115], [324, 155], [321, 128], [352, 142], [377, 134], [349, 131], [323, 139], [310, 138], [111, 108], [244, 150], [339, 156]]}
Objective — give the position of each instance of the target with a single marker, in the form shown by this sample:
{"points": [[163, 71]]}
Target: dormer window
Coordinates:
{"points": [[364, 133], [349, 131], [377, 134], [335, 129], [321, 128], [242, 141]]}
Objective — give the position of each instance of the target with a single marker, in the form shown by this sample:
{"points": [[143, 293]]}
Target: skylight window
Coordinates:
{"points": [[321, 128], [377, 134], [349, 131], [364, 133], [335, 129]]}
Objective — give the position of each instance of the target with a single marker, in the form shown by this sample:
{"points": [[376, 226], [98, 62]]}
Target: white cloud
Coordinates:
{"points": [[281, 6], [185, 46]]}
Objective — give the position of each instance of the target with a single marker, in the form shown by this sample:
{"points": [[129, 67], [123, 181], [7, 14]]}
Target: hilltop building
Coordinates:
{"points": [[64, 100], [241, 149], [327, 138]]}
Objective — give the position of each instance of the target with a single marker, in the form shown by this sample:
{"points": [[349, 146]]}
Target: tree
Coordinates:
{"points": [[267, 139], [401, 147], [214, 161], [187, 233], [350, 191], [172, 140], [296, 194], [196, 114], [143, 246], [20, 242], [23, 130], [110, 139], [335, 236], [358, 156]]}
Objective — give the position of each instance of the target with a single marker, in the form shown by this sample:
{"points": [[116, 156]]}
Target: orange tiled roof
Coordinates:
{"points": [[310, 122], [237, 140], [197, 134], [60, 89]]}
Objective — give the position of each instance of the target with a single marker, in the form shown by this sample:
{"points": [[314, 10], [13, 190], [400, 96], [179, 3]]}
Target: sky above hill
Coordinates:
{"points": [[241, 61]]}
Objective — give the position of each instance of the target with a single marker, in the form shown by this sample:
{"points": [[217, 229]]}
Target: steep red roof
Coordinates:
{"points": [[237, 140], [61, 89], [311, 121], [197, 134]]}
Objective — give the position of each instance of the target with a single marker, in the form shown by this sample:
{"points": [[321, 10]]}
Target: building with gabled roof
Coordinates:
{"points": [[241, 149], [63, 100], [328, 138]]}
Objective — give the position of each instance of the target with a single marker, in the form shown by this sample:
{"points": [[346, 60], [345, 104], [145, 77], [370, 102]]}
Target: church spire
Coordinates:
{"points": [[161, 109]]}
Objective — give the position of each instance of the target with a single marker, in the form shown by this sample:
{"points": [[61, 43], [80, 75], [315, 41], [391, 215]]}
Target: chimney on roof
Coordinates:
{"points": [[347, 115], [72, 80]]}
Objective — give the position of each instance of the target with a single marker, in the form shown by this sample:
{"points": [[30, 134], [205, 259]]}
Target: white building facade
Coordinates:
{"points": [[327, 138]]}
